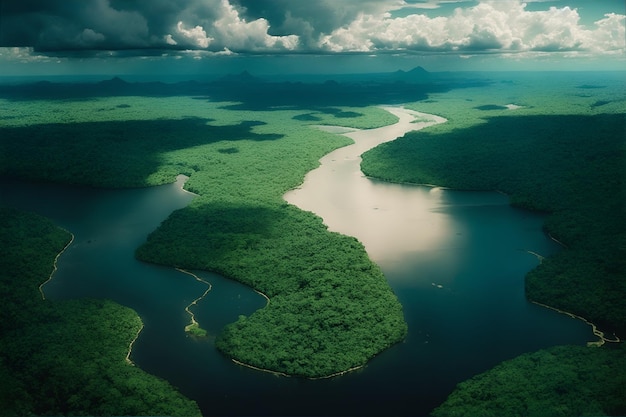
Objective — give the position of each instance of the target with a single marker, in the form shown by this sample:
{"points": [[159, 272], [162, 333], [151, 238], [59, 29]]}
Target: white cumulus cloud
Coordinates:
{"points": [[229, 31], [490, 26], [196, 35], [235, 32], [170, 40]]}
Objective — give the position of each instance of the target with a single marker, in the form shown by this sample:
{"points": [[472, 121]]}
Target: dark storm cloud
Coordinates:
{"points": [[71, 24], [319, 26], [52, 25], [310, 19]]}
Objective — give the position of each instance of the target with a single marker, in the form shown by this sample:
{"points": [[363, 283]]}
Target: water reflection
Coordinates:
{"points": [[388, 219]]}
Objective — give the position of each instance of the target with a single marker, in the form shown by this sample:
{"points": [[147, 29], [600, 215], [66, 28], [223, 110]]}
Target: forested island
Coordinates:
{"points": [[562, 155]]}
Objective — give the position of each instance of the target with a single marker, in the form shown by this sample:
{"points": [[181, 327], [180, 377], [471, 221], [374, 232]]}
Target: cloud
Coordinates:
{"points": [[196, 35], [23, 55], [310, 19], [433, 4], [89, 38], [491, 26], [319, 26], [74, 25], [226, 29], [169, 40], [609, 36], [237, 33]]}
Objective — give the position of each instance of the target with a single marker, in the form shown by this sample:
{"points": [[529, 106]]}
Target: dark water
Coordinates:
{"points": [[461, 285]]}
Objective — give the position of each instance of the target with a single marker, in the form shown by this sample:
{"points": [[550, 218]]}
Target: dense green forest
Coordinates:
{"points": [[570, 166], [562, 153], [66, 358], [331, 308], [560, 381]]}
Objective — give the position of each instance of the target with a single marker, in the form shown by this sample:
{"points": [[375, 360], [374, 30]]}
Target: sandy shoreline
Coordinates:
{"points": [[181, 179], [54, 264], [194, 302], [597, 332], [277, 373], [130, 346]]}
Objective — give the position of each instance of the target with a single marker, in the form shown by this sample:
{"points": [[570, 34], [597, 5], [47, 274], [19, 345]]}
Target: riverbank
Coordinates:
{"points": [[602, 339], [54, 264], [194, 328]]}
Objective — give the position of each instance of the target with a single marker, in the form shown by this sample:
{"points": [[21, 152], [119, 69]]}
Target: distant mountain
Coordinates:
{"points": [[115, 82], [242, 78], [253, 92], [416, 75]]}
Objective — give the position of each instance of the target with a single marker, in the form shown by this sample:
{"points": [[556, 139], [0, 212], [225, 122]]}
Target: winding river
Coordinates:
{"points": [[456, 260]]}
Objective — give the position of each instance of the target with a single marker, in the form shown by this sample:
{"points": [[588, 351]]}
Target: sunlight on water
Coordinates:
{"points": [[388, 219]]}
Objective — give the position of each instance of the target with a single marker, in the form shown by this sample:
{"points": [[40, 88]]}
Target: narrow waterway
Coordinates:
{"points": [[456, 260]]}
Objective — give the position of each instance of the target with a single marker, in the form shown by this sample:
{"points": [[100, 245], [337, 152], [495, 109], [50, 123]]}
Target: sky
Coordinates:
{"points": [[57, 37]]}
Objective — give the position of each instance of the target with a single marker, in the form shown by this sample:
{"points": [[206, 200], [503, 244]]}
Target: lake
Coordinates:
{"points": [[456, 261]]}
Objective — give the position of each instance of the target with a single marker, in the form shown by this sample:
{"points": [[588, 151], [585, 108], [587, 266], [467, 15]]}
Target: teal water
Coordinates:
{"points": [[463, 297]]}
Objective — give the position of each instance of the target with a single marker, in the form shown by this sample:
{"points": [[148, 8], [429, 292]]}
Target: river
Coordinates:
{"points": [[456, 260]]}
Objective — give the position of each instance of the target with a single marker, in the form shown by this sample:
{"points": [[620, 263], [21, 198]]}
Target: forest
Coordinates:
{"points": [[66, 357], [559, 381], [563, 155], [331, 308]]}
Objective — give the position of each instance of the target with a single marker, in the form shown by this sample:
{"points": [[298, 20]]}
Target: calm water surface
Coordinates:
{"points": [[456, 260]]}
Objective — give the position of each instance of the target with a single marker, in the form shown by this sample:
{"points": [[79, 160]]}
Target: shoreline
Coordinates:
{"points": [[596, 332], [181, 180], [194, 323], [267, 299], [278, 373], [54, 264], [132, 343]]}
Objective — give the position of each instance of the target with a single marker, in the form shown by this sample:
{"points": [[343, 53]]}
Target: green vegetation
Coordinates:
{"points": [[569, 166], [562, 154], [66, 358], [561, 381], [149, 143], [549, 164], [195, 330], [331, 308], [355, 117]]}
